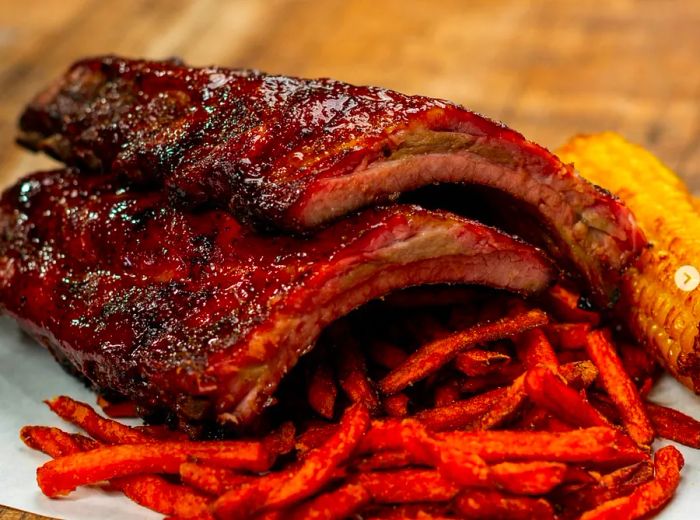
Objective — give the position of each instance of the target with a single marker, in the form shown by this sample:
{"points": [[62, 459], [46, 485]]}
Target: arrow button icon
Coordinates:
{"points": [[687, 278]]}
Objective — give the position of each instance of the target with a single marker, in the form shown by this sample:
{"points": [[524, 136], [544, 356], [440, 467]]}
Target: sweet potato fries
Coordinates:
{"points": [[535, 414]]}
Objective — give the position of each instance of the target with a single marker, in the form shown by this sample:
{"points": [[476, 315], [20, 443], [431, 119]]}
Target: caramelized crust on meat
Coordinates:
{"points": [[298, 153], [198, 313]]}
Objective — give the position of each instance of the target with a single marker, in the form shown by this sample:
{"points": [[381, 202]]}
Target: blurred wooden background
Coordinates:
{"points": [[550, 69]]}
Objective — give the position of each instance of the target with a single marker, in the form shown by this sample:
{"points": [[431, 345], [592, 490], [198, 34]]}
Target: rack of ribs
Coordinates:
{"points": [[295, 154], [198, 313]]}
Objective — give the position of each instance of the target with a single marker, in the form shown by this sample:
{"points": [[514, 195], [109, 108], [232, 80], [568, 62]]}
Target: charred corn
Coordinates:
{"points": [[662, 315]]}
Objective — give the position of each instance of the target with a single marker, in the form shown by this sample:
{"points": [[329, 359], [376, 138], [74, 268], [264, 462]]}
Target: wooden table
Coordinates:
{"points": [[548, 68]]}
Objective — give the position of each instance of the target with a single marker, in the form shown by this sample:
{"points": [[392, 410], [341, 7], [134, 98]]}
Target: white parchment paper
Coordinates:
{"points": [[28, 375]]}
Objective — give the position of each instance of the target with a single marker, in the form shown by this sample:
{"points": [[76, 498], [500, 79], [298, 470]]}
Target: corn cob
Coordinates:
{"points": [[662, 316]]}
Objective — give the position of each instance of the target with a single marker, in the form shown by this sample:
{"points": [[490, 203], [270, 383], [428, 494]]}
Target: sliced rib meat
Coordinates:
{"points": [[195, 311], [297, 153]]}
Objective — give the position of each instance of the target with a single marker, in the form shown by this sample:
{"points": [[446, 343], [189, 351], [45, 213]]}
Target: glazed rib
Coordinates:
{"points": [[200, 314], [299, 153]]}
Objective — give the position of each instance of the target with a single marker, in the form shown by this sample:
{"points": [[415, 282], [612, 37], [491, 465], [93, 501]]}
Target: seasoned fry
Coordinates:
{"points": [[505, 376], [620, 388], [353, 378], [393, 459], [342, 503], [396, 405], [63, 475], [648, 497], [576, 498], [565, 304], [211, 480], [407, 485], [313, 437], [490, 504], [105, 430], [322, 391], [480, 362], [585, 446], [568, 336], [52, 441], [281, 440], [447, 393], [547, 390], [461, 413], [579, 374], [276, 490], [504, 409], [534, 349], [158, 494], [528, 478], [674, 425], [637, 362], [434, 355]]}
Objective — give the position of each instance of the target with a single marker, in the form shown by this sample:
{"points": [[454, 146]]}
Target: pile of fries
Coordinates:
{"points": [[442, 403]]}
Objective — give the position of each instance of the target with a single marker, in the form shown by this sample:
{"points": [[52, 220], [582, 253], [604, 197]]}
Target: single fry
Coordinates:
{"points": [[342, 503], [505, 376], [503, 409], [407, 486], [621, 389], [566, 306], [648, 497], [534, 349], [579, 374], [322, 391], [674, 425], [313, 437], [576, 499], [210, 479], [156, 493], [480, 362], [281, 440], [353, 378], [568, 336], [488, 504], [528, 478], [446, 393], [460, 413], [547, 390], [436, 354], [390, 459], [105, 430], [61, 476], [52, 441], [396, 405], [585, 446], [277, 490]]}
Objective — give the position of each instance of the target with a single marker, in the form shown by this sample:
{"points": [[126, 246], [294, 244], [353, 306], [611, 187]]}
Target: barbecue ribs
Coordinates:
{"points": [[297, 153], [197, 312]]}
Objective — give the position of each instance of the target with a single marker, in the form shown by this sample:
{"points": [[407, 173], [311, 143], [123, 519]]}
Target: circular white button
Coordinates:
{"points": [[687, 278]]}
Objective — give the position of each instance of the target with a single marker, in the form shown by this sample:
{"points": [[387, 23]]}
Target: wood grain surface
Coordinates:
{"points": [[550, 69]]}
